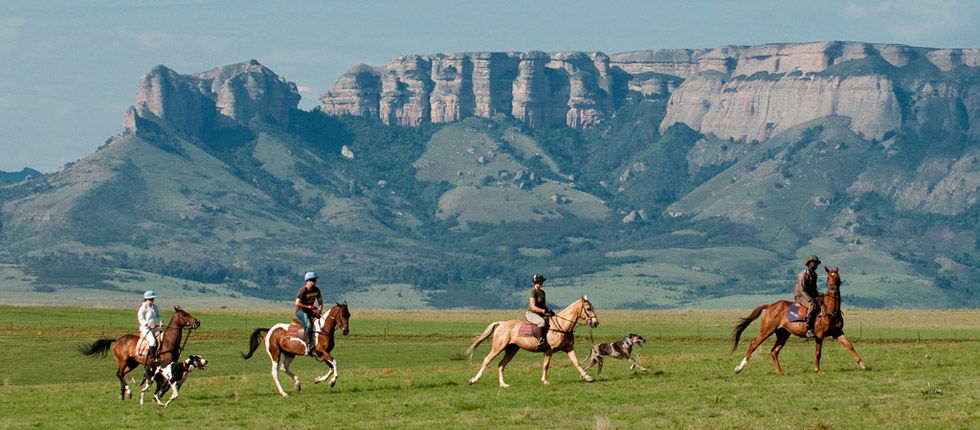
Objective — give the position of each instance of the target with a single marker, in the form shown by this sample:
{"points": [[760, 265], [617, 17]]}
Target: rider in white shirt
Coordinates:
{"points": [[150, 322]]}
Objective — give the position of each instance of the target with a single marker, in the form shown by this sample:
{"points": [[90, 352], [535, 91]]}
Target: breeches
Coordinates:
{"points": [[149, 335], [534, 318]]}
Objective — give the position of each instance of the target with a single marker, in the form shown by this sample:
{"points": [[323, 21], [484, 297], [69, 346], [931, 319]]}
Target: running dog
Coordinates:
{"points": [[172, 375], [621, 350]]}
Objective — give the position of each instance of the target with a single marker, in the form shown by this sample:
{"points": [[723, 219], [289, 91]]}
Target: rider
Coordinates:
{"points": [[307, 299], [537, 310], [806, 292], [150, 323]]}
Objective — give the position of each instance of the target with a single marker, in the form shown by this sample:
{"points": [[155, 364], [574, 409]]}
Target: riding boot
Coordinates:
{"points": [[809, 327]]}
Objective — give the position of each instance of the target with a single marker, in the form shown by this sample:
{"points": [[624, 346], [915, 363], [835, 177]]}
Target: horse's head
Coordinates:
{"points": [[833, 278], [183, 319], [587, 313], [341, 317]]}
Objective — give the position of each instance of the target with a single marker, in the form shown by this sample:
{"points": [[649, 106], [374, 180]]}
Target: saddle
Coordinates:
{"points": [[143, 345], [796, 313], [532, 330], [296, 330]]}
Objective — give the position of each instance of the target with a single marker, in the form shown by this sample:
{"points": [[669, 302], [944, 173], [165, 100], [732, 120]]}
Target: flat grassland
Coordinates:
{"points": [[404, 369]]}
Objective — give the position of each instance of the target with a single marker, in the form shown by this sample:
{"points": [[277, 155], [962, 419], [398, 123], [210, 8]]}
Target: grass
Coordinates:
{"points": [[402, 369]]}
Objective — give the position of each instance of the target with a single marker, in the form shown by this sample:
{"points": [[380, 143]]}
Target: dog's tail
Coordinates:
{"points": [[589, 358], [98, 348], [482, 337], [743, 324], [253, 342]]}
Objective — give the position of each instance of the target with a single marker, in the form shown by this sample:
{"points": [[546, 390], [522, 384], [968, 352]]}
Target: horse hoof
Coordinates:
{"points": [[504, 386], [472, 381], [818, 371], [589, 379], [546, 383], [284, 394], [738, 370]]}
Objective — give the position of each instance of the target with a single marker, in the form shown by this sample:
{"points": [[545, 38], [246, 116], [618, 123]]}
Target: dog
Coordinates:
{"points": [[621, 349], [172, 375]]}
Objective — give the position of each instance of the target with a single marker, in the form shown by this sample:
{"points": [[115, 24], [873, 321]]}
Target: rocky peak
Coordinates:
{"points": [[223, 96], [742, 92]]}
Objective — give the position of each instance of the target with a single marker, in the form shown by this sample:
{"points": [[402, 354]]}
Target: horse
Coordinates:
{"points": [[125, 348], [561, 337], [282, 348], [829, 323]]}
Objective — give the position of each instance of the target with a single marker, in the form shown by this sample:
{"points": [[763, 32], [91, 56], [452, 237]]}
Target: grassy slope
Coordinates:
{"points": [[397, 371]]}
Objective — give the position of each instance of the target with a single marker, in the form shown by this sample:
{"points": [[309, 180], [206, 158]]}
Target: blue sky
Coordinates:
{"points": [[69, 68]]}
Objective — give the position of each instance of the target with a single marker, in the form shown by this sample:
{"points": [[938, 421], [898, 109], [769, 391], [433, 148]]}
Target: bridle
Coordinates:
{"points": [[187, 337], [589, 316]]}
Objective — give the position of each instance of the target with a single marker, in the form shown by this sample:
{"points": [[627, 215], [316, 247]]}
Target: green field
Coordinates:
{"points": [[402, 369]]}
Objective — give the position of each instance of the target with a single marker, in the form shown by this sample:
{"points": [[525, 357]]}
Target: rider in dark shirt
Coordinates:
{"points": [[309, 303]]}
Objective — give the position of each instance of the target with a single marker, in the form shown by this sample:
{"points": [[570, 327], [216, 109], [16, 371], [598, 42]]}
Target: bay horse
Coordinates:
{"points": [[124, 349], [561, 337], [282, 348], [829, 323]]}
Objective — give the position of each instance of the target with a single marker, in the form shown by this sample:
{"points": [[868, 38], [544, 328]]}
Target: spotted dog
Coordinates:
{"points": [[172, 375], [620, 349]]}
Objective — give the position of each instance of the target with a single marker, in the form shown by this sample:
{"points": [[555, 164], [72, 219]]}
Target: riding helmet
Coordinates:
{"points": [[149, 295], [812, 258], [310, 275], [538, 278]]}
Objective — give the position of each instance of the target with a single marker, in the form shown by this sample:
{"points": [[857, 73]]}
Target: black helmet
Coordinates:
{"points": [[538, 278]]}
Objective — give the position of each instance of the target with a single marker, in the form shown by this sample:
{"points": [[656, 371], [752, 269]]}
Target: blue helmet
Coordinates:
{"points": [[149, 295], [310, 275]]}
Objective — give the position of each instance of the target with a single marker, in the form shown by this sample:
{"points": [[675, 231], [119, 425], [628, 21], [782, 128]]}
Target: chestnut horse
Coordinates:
{"points": [[829, 323], [282, 348], [561, 337], [125, 348]]}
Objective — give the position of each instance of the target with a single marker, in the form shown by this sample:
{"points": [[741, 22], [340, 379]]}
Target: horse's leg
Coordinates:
{"points": [[581, 371], [331, 364], [275, 355], [764, 333], [286, 361], [781, 337], [544, 367], [486, 362], [817, 349], [847, 344], [509, 352], [121, 372]]}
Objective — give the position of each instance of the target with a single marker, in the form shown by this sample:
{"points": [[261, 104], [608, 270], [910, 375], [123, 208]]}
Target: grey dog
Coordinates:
{"points": [[620, 349]]}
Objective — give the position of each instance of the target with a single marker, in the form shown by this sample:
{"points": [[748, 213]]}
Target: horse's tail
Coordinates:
{"points": [[482, 337], [98, 348], [743, 323], [253, 342]]}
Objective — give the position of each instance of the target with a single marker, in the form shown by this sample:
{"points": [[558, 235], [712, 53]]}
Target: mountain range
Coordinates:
{"points": [[647, 179]]}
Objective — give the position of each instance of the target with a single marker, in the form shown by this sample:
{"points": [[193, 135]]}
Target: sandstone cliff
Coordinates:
{"points": [[223, 96], [740, 92]]}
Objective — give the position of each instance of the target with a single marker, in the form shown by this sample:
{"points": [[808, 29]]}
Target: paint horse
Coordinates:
{"points": [[561, 337], [124, 348], [283, 342], [830, 323]]}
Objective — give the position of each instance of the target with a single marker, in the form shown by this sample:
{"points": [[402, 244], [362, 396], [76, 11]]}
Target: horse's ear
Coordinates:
{"points": [[836, 269], [586, 298], [826, 269], [176, 308], [338, 303], [345, 302]]}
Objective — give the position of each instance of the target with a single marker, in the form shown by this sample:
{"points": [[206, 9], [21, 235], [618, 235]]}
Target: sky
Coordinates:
{"points": [[69, 68]]}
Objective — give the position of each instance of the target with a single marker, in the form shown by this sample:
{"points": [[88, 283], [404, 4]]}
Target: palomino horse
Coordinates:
{"points": [[830, 323], [125, 347], [561, 337], [282, 348]]}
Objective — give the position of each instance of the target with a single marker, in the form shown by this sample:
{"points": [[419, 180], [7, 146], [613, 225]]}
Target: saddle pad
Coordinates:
{"points": [[295, 330], [796, 313], [526, 329]]}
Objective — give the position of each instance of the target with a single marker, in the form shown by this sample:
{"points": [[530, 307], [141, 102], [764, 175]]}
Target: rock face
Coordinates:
{"points": [[739, 92], [220, 97]]}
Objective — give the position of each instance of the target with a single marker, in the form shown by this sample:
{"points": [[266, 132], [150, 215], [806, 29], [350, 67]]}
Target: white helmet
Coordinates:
{"points": [[149, 295]]}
